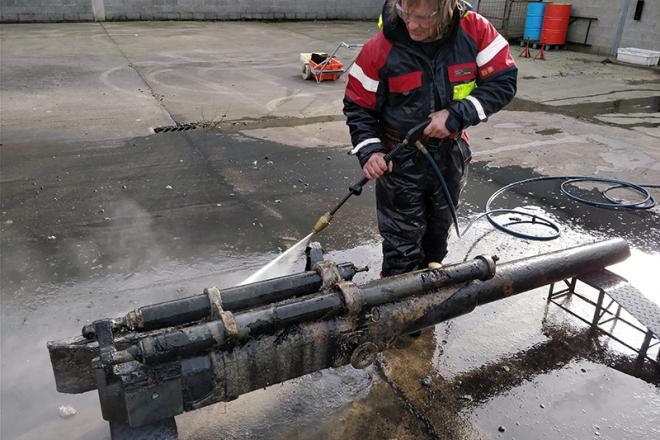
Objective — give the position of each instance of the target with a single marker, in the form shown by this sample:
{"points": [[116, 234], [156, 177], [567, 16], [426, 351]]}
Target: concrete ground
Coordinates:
{"points": [[99, 215]]}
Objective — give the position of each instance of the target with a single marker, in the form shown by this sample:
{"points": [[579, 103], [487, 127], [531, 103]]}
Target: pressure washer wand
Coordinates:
{"points": [[413, 135]]}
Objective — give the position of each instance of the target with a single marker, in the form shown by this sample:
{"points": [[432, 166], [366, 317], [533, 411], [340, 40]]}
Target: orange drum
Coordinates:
{"points": [[555, 23]]}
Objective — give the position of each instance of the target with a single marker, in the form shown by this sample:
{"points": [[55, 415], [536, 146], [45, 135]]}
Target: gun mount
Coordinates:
{"points": [[165, 359]]}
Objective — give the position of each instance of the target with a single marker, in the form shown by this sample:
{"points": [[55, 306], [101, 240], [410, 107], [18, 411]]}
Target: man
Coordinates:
{"points": [[433, 59]]}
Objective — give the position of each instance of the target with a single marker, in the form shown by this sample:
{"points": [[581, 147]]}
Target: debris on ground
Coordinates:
{"points": [[66, 411]]}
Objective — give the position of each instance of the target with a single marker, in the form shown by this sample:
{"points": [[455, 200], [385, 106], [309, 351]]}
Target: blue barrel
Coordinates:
{"points": [[534, 21]]}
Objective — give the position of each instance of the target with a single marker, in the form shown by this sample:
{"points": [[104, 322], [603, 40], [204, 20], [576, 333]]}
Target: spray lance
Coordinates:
{"points": [[412, 137]]}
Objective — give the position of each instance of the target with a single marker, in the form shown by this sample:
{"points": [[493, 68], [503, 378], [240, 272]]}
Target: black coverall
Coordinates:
{"points": [[394, 84]]}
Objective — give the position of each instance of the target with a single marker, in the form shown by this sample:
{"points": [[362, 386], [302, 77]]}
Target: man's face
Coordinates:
{"points": [[420, 19]]}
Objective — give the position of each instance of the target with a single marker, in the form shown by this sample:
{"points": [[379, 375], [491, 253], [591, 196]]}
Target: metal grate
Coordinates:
{"points": [[178, 127], [622, 295]]}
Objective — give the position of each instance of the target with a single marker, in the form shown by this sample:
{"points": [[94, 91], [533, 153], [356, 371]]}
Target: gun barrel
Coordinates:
{"points": [[219, 360], [198, 307]]}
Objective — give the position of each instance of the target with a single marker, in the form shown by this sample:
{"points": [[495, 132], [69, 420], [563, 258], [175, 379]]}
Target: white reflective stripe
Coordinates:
{"points": [[477, 106], [365, 142], [368, 83], [493, 49]]}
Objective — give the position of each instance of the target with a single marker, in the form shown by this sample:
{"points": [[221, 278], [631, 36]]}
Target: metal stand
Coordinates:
{"points": [[589, 20], [526, 53], [618, 294]]}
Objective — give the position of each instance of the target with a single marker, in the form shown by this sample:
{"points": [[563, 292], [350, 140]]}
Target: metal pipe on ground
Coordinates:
{"points": [[345, 299]]}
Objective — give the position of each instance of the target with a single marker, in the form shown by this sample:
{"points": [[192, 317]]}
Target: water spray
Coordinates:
{"points": [[278, 266]]}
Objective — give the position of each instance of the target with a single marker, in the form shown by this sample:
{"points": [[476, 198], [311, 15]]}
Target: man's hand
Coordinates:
{"points": [[376, 166], [437, 128]]}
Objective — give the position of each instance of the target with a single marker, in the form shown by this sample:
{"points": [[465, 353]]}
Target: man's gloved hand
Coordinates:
{"points": [[376, 166], [438, 126]]}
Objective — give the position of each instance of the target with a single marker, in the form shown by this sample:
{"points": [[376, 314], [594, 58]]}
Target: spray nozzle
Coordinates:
{"points": [[322, 222]]}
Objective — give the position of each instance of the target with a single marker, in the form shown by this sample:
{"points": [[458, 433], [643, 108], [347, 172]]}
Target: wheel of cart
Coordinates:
{"points": [[306, 70]]}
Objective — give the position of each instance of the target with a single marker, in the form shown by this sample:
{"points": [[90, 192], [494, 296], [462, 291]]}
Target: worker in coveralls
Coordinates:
{"points": [[433, 59]]}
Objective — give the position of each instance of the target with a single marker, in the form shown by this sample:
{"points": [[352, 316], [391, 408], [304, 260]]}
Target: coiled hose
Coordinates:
{"points": [[648, 201]]}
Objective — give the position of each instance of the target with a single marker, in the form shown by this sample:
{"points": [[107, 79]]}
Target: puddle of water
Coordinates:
{"points": [[590, 110], [52, 297], [574, 402], [276, 411], [640, 270]]}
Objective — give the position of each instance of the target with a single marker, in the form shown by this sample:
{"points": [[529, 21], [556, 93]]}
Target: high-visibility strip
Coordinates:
{"points": [[489, 52], [477, 106], [369, 84], [462, 91], [364, 143]]}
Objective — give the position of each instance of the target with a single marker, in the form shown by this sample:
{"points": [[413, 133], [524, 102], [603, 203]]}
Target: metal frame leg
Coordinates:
{"points": [[644, 348], [599, 306]]}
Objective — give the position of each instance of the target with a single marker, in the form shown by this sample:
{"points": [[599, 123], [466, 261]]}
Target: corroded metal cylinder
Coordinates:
{"points": [[313, 346], [192, 367]]}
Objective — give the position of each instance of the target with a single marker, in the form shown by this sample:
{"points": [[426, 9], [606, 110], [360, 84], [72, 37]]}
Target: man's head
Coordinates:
{"points": [[426, 20]]}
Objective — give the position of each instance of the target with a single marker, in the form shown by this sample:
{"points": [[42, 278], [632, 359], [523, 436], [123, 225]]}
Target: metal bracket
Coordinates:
{"points": [[216, 301], [329, 274], [352, 298], [314, 254]]}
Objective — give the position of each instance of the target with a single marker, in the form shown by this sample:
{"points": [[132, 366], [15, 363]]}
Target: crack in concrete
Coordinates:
{"points": [[144, 80], [426, 424]]}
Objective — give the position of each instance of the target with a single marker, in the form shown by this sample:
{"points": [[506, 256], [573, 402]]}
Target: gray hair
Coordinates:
{"points": [[443, 19]]}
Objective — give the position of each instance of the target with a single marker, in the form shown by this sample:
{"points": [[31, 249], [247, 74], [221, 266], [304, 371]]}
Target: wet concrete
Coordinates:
{"points": [[222, 219], [98, 216], [643, 111]]}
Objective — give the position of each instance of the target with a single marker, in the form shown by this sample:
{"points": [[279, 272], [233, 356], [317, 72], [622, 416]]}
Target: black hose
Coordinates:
{"points": [[648, 201]]}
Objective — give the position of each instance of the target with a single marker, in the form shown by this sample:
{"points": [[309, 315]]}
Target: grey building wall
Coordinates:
{"points": [[615, 26], [46, 10], [89, 10], [644, 33]]}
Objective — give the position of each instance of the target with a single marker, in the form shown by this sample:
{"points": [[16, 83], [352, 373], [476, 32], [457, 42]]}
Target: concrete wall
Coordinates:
{"points": [[644, 33], [89, 10], [46, 10], [615, 26]]}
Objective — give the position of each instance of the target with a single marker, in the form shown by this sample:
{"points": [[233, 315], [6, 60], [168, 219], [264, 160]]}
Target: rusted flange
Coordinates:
{"points": [[216, 301], [329, 274], [491, 264], [352, 298], [364, 355]]}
